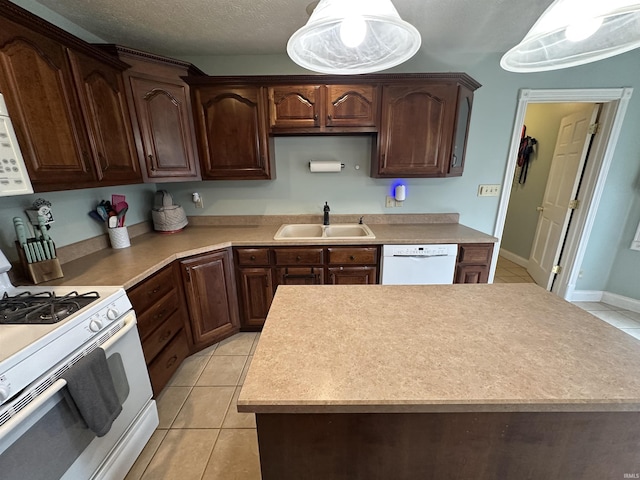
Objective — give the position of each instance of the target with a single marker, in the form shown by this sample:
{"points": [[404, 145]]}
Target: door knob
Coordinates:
{"points": [[540, 209]]}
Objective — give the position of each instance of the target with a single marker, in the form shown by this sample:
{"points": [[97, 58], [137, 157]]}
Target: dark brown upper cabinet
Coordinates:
{"points": [[66, 103], [423, 130], [322, 108], [232, 132], [106, 117], [418, 122], [161, 115], [44, 108]]}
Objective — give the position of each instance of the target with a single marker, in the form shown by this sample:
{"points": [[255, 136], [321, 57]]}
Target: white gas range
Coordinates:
{"points": [[48, 334]]}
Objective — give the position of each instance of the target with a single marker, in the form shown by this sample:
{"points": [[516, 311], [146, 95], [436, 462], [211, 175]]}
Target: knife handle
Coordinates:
{"points": [[40, 251], [45, 248], [32, 250], [27, 253], [52, 249]]}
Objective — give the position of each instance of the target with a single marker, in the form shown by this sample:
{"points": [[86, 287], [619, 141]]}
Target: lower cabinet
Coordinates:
{"points": [[352, 265], [473, 263], [162, 323], [352, 275], [256, 293], [211, 297], [261, 270]]}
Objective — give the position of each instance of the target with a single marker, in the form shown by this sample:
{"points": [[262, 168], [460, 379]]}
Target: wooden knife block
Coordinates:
{"points": [[40, 271]]}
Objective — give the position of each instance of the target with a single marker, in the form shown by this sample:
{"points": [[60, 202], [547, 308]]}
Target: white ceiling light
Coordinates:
{"points": [[574, 32], [353, 36]]}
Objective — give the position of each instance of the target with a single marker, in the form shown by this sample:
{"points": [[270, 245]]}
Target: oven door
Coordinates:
{"points": [[47, 439]]}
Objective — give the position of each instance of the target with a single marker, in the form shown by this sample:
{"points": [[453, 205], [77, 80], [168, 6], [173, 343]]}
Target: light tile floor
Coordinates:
{"points": [[510, 272], [201, 435]]}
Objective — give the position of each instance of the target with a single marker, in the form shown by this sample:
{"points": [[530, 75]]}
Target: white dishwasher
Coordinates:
{"points": [[418, 264]]}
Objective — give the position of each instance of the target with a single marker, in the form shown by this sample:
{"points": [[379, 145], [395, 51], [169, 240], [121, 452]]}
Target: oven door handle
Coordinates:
{"points": [[129, 323], [30, 409]]}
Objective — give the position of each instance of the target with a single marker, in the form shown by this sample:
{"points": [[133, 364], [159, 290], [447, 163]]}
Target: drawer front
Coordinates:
{"points": [[252, 256], [352, 255], [480, 254], [162, 335], [151, 290], [299, 256], [149, 320], [165, 364]]}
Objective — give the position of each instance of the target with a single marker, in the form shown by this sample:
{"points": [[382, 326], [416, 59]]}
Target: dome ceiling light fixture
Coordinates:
{"points": [[353, 37], [575, 32]]}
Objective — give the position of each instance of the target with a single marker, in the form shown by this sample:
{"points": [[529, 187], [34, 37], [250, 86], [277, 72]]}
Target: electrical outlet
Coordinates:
{"points": [[488, 190], [197, 200], [391, 202]]}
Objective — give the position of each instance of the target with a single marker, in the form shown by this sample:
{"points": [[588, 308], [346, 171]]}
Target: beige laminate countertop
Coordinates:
{"points": [[438, 348], [152, 251]]}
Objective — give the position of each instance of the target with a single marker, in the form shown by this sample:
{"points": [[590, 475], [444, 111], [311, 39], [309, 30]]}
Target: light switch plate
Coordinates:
{"points": [[488, 190]]}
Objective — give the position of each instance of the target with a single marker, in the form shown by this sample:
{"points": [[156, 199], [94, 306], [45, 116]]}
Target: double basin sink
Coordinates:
{"points": [[302, 231]]}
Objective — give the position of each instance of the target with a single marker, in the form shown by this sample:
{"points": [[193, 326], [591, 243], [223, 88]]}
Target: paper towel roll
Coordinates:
{"points": [[326, 166]]}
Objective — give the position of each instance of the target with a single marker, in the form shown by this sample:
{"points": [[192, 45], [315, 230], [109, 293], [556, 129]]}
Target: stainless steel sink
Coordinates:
{"points": [[304, 231]]}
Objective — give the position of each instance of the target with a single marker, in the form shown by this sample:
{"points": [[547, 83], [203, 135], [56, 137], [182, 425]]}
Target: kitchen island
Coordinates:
{"points": [[448, 381]]}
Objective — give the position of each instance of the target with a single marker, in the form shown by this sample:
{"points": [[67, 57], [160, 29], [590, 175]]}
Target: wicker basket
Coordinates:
{"points": [[166, 216]]}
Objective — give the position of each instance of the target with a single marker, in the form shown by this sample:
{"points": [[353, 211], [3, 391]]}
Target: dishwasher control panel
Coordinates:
{"points": [[420, 250]]}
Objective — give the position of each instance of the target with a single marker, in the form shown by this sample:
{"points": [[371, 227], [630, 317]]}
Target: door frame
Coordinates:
{"points": [[615, 102]]}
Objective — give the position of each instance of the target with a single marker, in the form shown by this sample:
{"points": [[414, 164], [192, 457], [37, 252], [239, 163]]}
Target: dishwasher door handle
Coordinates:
{"points": [[423, 256]]}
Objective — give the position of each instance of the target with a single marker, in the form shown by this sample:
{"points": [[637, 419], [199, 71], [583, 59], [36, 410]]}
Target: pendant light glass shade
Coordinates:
{"points": [[352, 37], [574, 32]]}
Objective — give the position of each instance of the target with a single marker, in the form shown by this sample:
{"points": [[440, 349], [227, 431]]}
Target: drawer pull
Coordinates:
{"points": [[298, 258], [160, 314], [165, 336], [154, 291], [351, 257], [172, 360], [252, 257]]}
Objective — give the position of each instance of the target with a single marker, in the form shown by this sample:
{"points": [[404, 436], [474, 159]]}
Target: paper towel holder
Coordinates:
{"points": [[317, 166]]}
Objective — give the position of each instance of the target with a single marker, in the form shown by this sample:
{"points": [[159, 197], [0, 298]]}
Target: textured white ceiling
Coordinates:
{"points": [[231, 27]]}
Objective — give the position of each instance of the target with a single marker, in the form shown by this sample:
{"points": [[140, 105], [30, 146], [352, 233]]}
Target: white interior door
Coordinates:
{"points": [[562, 186]]}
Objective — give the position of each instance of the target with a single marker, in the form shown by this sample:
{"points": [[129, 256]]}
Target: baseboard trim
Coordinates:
{"points": [[621, 301], [586, 296], [523, 262], [614, 299]]}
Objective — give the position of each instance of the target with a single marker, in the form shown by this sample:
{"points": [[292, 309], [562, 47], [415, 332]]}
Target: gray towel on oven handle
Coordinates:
{"points": [[91, 387]]}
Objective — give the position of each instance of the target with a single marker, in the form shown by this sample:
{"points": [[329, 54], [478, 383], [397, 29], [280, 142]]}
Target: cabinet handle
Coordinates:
{"points": [[104, 164], [329, 117], [160, 314], [85, 157], [154, 291], [298, 258], [252, 257], [172, 360], [153, 169], [165, 336], [351, 257], [315, 117]]}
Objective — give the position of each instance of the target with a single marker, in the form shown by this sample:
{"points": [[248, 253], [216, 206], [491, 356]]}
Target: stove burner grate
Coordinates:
{"points": [[42, 307]]}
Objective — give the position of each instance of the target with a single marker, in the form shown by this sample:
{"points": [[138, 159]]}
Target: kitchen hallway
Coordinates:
{"points": [[201, 436]]}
